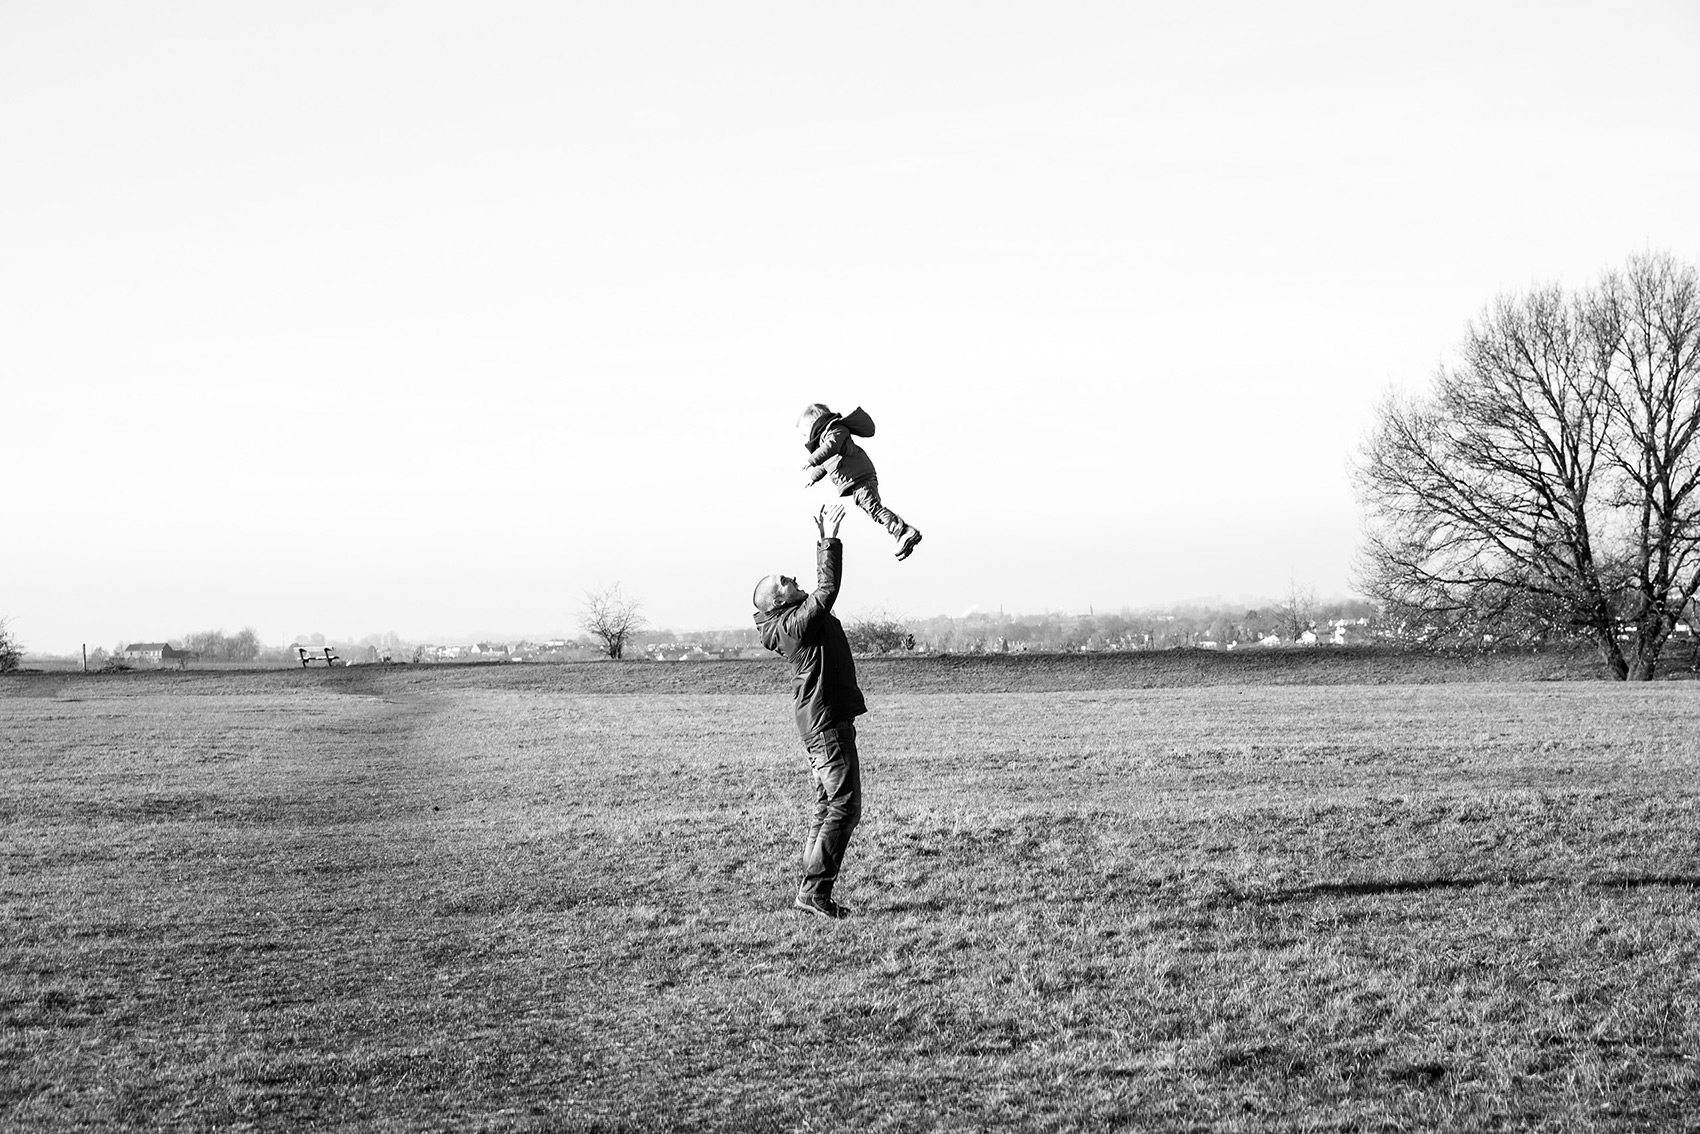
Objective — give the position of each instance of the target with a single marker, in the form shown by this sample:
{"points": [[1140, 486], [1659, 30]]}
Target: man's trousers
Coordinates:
{"points": [[838, 805]]}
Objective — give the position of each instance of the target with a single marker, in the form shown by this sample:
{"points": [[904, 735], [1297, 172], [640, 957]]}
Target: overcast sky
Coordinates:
{"points": [[428, 317]]}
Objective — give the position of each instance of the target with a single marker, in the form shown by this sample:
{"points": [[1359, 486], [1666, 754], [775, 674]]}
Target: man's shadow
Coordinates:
{"points": [[1289, 895], [1374, 887]]}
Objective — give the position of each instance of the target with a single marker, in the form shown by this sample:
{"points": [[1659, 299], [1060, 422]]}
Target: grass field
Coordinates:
{"points": [[1087, 897]]}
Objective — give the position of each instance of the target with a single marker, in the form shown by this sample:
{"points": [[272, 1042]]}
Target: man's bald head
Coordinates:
{"points": [[775, 591]]}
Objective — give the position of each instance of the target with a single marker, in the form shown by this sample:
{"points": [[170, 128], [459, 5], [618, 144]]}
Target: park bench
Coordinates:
{"points": [[308, 657]]}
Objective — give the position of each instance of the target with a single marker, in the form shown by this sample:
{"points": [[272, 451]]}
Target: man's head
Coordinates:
{"points": [[775, 592]]}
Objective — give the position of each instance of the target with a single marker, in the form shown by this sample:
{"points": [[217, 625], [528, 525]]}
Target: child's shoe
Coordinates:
{"points": [[906, 544]]}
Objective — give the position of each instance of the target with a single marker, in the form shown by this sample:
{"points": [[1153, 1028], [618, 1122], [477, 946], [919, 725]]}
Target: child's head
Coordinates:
{"points": [[810, 415]]}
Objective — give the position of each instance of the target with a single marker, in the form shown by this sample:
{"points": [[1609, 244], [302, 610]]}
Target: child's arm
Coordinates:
{"points": [[831, 444]]}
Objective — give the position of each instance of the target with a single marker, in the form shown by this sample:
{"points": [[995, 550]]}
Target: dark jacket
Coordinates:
{"points": [[833, 451], [823, 674]]}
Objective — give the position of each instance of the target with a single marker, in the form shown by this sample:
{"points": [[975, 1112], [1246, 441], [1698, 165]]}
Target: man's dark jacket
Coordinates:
{"points": [[823, 674]]}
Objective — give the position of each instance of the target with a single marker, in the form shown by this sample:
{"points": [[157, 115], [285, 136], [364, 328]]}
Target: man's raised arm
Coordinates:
{"points": [[829, 564], [829, 555]]}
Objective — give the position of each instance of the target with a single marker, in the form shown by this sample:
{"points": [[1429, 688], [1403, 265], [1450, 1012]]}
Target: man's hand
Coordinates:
{"points": [[829, 516]]}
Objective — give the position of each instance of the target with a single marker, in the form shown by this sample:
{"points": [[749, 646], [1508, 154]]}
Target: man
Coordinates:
{"points": [[803, 630]]}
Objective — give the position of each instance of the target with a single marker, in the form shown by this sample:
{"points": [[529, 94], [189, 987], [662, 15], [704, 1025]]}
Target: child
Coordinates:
{"points": [[833, 452]]}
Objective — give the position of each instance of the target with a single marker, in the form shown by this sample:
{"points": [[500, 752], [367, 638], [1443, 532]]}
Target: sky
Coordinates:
{"points": [[430, 317]]}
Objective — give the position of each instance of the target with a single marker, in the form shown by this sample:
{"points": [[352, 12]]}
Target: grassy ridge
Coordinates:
{"points": [[471, 897]]}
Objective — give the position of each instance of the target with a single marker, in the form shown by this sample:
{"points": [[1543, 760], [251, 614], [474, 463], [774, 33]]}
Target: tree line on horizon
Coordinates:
{"points": [[877, 631]]}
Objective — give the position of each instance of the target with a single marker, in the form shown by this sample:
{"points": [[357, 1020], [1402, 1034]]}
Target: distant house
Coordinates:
{"points": [[1269, 640], [157, 653], [675, 651], [1308, 638], [484, 649]]}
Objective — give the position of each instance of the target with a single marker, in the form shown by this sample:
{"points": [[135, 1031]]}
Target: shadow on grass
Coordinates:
{"points": [[914, 906], [1374, 887]]}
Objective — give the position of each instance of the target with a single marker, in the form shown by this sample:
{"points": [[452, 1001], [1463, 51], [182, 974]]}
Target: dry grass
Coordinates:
{"points": [[487, 899]]}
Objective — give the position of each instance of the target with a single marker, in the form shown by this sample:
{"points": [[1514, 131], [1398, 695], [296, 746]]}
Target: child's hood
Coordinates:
{"points": [[817, 419], [859, 423]]}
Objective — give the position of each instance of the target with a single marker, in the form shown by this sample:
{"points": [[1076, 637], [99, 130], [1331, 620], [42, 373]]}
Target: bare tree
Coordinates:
{"points": [[1296, 612], [612, 617], [1549, 484], [1647, 321], [11, 653]]}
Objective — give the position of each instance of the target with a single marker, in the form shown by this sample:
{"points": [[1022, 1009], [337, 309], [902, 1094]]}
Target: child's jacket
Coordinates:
{"points": [[833, 451]]}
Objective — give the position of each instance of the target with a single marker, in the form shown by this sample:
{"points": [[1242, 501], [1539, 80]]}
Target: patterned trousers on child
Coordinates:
{"points": [[867, 498]]}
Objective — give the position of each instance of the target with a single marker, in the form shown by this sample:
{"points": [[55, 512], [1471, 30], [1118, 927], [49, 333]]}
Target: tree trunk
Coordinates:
{"points": [[1611, 653], [1649, 645]]}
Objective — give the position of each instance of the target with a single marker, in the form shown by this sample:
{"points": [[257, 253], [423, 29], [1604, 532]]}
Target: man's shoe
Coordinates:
{"points": [[911, 537], [821, 906]]}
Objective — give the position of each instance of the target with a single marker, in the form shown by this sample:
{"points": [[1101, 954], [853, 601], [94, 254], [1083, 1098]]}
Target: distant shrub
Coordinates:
{"points": [[103, 662], [878, 634]]}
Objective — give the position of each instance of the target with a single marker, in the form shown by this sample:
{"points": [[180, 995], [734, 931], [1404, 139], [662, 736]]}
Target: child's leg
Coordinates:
{"points": [[867, 498]]}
